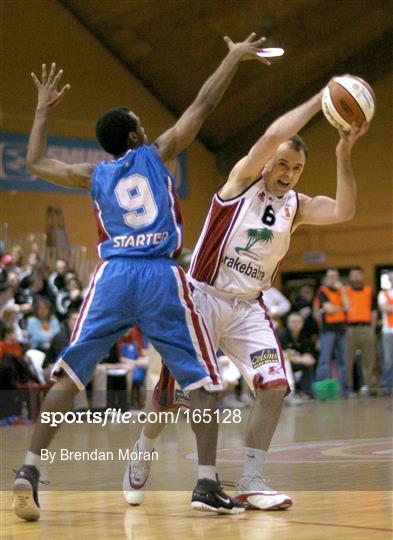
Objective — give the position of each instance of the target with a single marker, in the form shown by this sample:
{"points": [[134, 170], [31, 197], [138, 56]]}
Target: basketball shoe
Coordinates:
{"points": [[208, 496], [255, 493], [25, 493], [135, 478]]}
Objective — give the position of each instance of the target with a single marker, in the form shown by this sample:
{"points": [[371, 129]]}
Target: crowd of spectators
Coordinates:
{"points": [[340, 336], [330, 332]]}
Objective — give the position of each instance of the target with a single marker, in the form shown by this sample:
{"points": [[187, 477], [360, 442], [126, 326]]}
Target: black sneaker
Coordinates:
{"points": [[25, 502], [208, 496]]}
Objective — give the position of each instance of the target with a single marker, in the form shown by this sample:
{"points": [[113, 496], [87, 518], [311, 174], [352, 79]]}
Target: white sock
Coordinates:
{"points": [[146, 444], [32, 459], [253, 461], [207, 471]]}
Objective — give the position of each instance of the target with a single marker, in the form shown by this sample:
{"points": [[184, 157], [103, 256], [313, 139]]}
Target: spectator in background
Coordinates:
{"points": [[276, 304], [9, 344], [6, 296], [362, 317], [6, 262], [99, 379], [333, 304], [35, 285], [385, 302], [22, 299], [10, 319], [70, 274], [13, 359], [42, 326], [298, 351], [17, 259], [303, 304], [59, 341], [57, 280], [33, 263], [70, 298]]}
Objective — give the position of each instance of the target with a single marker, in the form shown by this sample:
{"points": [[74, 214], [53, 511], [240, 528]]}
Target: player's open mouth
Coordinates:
{"points": [[283, 184]]}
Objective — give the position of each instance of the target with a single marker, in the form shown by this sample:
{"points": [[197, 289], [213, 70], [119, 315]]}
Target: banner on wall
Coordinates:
{"points": [[14, 176]]}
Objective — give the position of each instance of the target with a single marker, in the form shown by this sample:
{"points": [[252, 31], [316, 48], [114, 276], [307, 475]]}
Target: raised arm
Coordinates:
{"points": [[322, 210], [249, 168], [181, 135], [52, 170]]}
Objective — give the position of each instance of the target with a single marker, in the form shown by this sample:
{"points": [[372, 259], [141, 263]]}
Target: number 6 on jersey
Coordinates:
{"points": [[134, 194]]}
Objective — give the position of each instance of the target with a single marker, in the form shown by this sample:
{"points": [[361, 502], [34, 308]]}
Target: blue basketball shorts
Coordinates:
{"points": [[154, 294]]}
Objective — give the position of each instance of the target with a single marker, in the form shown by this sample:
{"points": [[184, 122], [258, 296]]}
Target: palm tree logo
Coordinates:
{"points": [[254, 236]]}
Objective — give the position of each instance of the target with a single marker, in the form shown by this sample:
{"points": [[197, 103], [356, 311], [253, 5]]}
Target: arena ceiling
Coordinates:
{"points": [[173, 45]]}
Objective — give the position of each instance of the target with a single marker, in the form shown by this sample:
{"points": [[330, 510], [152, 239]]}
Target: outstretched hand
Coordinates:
{"points": [[48, 95], [348, 138], [248, 48]]}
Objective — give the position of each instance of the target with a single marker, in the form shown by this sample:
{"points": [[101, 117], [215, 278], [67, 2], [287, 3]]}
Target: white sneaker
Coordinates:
{"points": [[231, 402], [247, 399], [135, 478], [294, 400], [255, 493]]}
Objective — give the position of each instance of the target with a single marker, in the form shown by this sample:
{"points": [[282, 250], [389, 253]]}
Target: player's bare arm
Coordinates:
{"points": [[52, 170], [322, 210], [181, 135], [249, 168]]}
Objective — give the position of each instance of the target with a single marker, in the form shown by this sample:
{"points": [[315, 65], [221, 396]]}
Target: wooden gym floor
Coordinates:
{"points": [[333, 458]]}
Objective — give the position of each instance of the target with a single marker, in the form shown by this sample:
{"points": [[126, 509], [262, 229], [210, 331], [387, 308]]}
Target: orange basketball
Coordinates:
{"points": [[348, 99]]}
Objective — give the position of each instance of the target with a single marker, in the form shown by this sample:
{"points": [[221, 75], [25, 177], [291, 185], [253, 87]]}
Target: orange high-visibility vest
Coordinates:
{"points": [[360, 304], [334, 297], [388, 316]]}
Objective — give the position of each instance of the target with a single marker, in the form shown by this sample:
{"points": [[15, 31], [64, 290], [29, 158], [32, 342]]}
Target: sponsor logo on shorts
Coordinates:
{"points": [[181, 398], [264, 356]]}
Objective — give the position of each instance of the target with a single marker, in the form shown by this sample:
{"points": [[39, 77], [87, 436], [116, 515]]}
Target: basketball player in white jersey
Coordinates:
{"points": [[246, 234]]}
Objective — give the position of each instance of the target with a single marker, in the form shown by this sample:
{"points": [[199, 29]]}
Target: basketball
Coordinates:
{"points": [[348, 99]]}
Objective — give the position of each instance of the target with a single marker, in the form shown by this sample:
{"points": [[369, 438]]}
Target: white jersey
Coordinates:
{"points": [[243, 242]]}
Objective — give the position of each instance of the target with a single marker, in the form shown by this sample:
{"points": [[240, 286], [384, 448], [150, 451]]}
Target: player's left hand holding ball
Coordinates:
{"points": [[48, 95]]}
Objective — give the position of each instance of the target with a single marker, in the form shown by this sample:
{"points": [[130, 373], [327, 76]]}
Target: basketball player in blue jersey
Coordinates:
{"points": [[137, 281], [246, 234]]}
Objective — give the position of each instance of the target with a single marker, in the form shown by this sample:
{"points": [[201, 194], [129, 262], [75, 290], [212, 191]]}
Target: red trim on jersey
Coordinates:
{"points": [[102, 232], [274, 275], [85, 303], [213, 369], [178, 216], [220, 223]]}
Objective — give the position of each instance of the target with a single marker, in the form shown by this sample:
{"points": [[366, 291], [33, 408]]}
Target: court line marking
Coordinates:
{"points": [[210, 516]]}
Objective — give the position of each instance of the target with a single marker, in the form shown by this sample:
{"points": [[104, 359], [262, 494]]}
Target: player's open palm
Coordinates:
{"points": [[248, 48], [48, 94]]}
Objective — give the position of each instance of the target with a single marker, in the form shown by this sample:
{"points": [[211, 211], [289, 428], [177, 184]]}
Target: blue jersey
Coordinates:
{"points": [[136, 207]]}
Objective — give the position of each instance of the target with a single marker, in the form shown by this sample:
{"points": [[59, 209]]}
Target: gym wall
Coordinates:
{"points": [[43, 31]]}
